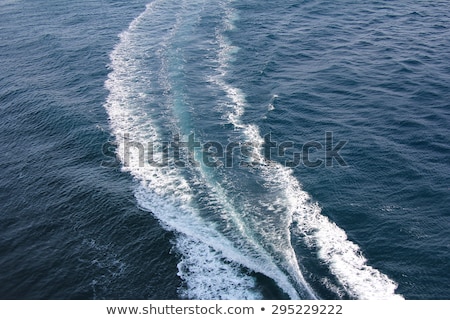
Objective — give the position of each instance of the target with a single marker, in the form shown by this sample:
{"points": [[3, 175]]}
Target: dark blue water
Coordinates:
{"points": [[368, 222]]}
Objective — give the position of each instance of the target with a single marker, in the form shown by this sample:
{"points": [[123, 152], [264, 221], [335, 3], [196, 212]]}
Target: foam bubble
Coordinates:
{"points": [[209, 275]]}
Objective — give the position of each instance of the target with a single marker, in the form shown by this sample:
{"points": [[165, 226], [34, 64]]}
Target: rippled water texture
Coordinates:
{"points": [[81, 82]]}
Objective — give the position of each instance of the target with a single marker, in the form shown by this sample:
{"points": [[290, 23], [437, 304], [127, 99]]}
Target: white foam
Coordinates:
{"points": [[185, 221], [165, 192], [271, 106], [162, 190], [211, 259], [342, 256], [280, 244], [208, 275]]}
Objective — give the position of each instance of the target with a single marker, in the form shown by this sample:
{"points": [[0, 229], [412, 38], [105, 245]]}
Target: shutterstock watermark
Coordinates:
{"points": [[188, 152]]}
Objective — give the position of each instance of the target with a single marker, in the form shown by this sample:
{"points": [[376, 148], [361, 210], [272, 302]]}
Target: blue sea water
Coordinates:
{"points": [[85, 86]]}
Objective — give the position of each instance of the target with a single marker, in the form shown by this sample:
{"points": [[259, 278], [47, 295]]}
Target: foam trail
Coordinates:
{"points": [[146, 101], [242, 235], [276, 235], [343, 257], [202, 266], [163, 190]]}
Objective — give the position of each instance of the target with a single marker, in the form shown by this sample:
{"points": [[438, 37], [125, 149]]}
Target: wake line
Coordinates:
{"points": [[217, 194], [164, 191], [173, 199], [343, 257], [285, 249]]}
